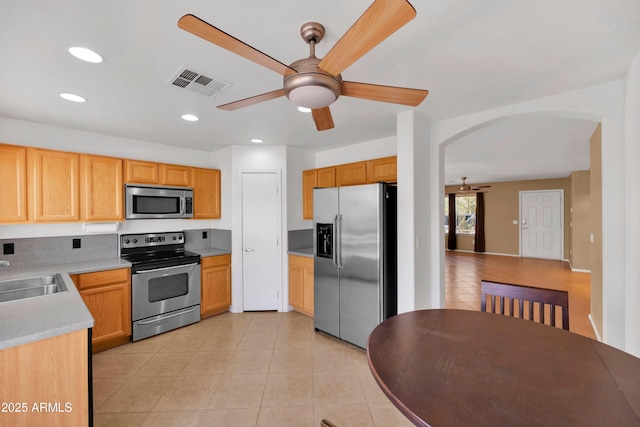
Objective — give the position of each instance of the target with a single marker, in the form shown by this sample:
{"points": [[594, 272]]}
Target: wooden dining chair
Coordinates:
{"points": [[541, 296]]}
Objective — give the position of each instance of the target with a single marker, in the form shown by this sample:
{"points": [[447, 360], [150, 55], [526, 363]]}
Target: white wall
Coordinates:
{"points": [[18, 132], [297, 161], [632, 229], [605, 104], [375, 149]]}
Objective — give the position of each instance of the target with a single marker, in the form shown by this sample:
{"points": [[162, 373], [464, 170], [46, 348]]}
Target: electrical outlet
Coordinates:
{"points": [[8, 249], [76, 244], [205, 234]]}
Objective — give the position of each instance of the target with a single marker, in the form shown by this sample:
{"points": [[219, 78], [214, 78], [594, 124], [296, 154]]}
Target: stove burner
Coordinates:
{"points": [[156, 250]]}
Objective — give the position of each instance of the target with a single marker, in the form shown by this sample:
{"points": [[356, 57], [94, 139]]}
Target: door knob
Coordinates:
{"points": [[249, 249]]}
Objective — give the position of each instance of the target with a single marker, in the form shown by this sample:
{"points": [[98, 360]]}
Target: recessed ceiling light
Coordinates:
{"points": [[257, 140], [304, 109], [85, 54], [190, 117], [72, 97]]}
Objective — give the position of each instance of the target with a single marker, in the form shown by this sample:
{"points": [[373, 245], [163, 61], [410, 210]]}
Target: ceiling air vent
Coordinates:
{"points": [[199, 83]]}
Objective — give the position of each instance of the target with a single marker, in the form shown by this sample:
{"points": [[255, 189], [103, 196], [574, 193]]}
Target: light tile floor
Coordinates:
{"points": [[247, 369]]}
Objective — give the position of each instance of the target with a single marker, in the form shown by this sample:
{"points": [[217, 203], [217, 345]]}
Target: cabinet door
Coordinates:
{"points": [[351, 174], [175, 175], [326, 177], [54, 185], [111, 309], [384, 169], [139, 172], [308, 290], [296, 285], [13, 176], [309, 182], [206, 193], [101, 188], [216, 285]]}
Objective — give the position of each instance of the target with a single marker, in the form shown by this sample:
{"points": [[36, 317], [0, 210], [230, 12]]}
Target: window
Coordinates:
{"points": [[465, 214]]}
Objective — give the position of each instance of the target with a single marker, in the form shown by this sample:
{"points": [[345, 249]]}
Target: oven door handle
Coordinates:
{"points": [[168, 316], [165, 268]]}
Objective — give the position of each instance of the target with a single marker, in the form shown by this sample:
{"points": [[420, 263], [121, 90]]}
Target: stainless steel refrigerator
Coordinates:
{"points": [[355, 276]]}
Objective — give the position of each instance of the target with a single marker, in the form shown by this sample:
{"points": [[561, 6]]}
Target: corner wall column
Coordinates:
{"points": [[416, 262]]}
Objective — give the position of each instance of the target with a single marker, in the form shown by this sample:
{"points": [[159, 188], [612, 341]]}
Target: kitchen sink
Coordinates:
{"points": [[29, 287]]}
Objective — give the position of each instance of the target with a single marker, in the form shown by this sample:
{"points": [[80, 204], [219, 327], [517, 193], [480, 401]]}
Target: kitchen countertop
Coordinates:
{"points": [[204, 252], [308, 252], [33, 319]]}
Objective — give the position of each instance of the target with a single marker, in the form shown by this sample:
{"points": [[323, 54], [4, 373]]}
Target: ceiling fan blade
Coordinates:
{"points": [[202, 29], [322, 117], [251, 101], [379, 21], [396, 95]]}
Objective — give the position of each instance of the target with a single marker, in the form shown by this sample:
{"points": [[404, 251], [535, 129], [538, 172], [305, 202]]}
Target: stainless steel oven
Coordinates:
{"points": [[165, 282]]}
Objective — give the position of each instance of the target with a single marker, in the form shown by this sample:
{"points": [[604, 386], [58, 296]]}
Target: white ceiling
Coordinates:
{"points": [[472, 55]]}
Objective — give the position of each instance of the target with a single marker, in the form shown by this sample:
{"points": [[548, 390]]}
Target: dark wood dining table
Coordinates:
{"points": [[470, 368]]}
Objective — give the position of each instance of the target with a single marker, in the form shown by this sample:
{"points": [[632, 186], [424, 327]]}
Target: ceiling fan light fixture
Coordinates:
{"points": [[312, 96]]}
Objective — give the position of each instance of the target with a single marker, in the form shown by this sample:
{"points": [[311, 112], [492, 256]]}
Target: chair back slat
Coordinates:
{"points": [[532, 295]]}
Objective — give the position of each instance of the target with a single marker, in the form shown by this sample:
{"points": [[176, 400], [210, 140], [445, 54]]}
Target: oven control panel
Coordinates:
{"points": [[128, 241]]}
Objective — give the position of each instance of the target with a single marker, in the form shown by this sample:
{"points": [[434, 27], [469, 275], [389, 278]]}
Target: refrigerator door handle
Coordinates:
{"points": [[339, 243], [335, 241]]}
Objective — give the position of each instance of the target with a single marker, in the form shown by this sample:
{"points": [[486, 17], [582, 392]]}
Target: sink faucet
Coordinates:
{"points": [[4, 263]]}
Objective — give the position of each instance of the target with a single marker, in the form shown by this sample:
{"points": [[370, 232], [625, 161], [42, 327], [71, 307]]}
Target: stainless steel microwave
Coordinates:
{"points": [[155, 202]]}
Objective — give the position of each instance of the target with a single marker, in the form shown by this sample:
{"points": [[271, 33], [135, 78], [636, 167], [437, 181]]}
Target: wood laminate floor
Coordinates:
{"points": [[464, 271]]}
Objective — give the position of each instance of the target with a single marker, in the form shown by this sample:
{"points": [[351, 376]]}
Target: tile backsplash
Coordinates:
{"points": [[59, 249]]}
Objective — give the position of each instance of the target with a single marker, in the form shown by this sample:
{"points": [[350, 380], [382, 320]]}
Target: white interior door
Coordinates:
{"points": [[261, 256], [541, 225]]}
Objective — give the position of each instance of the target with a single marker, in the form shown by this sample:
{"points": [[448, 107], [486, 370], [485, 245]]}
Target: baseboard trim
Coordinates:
{"points": [[595, 330]]}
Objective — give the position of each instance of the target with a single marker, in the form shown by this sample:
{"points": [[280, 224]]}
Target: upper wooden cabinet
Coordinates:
{"points": [[384, 169], [309, 182], [53, 185], [175, 175], [206, 193], [326, 177], [101, 188], [351, 174], [367, 172], [139, 172], [13, 176]]}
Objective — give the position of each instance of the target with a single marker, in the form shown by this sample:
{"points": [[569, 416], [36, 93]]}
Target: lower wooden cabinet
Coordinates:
{"points": [[215, 285], [52, 372], [107, 295], [301, 284]]}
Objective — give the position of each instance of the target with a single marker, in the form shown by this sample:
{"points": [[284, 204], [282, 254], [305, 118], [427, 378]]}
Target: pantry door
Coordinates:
{"points": [[261, 254]]}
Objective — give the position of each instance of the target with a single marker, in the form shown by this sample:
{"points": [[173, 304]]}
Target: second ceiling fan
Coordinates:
{"points": [[466, 188], [316, 83]]}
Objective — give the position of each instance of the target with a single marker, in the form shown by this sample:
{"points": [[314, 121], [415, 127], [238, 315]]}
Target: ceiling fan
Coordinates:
{"points": [[465, 188], [316, 83]]}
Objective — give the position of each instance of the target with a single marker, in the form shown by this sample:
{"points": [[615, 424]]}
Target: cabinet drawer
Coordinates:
{"points": [[214, 261], [302, 261], [101, 278]]}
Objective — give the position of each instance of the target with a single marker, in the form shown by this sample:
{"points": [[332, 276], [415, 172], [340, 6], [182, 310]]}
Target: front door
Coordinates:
{"points": [[261, 266], [541, 224]]}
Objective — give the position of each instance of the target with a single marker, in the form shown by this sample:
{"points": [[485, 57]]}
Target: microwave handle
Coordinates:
{"points": [[182, 206]]}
